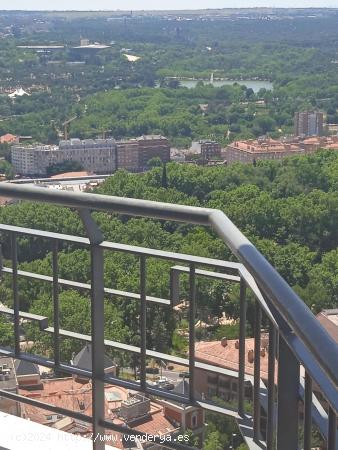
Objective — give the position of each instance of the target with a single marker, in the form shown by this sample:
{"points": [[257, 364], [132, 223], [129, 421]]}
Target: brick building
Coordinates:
{"points": [[152, 146], [225, 354], [251, 150], [187, 417]]}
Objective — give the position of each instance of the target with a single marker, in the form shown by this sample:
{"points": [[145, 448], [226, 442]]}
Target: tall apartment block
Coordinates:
{"points": [[127, 155], [95, 155], [210, 149], [152, 146], [308, 123], [134, 154]]}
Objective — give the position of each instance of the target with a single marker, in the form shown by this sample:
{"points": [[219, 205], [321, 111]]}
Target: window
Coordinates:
{"points": [[211, 392], [194, 420], [224, 383], [212, 379]]}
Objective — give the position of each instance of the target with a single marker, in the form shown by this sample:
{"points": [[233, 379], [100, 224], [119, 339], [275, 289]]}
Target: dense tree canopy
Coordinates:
{"points": [[295, 229]]}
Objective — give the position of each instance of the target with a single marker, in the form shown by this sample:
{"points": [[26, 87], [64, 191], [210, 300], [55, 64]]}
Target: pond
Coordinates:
{"points": [[255, 85]]}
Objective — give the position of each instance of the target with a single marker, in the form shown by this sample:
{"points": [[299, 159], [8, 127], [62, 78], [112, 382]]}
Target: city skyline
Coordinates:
{"points": [[87, 5]]}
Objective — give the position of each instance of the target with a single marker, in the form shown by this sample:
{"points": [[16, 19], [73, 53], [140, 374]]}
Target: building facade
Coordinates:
{"points": [[225, 354], [210, 149], [308, 123], [94, 155], [99, 156], [251, 150], [127, 153], [265, 148], [152, 146]]}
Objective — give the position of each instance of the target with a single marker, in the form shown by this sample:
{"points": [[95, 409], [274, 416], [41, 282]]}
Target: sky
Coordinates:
{"points": [[156, 4]]}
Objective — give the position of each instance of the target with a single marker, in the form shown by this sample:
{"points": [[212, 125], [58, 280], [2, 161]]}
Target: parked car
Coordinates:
{"points": [[184, 375]]}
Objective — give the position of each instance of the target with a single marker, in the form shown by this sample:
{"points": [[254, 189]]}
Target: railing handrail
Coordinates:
{"points": [[285, 300]]}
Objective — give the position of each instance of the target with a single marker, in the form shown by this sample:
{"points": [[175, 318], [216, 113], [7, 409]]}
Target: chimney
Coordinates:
{"points": [[224, 342], [251, 354], [237, 345]]}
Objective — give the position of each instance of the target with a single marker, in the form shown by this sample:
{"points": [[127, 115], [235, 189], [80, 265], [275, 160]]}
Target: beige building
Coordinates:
{"points": [[94, 155], [251, 150]]}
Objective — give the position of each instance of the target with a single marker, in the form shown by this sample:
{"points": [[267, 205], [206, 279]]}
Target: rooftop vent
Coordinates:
{"points": [[134, 407], [224, 342]]}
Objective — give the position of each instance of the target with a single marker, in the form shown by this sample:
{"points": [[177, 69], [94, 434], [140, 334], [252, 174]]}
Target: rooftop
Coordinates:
{"points": [[84, 359], [75, 396], [25, 368], [8, 138], [265, 146], [71, 175], [92, 47], [214, 353]]}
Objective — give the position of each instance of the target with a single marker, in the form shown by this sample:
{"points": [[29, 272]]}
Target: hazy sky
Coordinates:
{"points": [[156, 4]]}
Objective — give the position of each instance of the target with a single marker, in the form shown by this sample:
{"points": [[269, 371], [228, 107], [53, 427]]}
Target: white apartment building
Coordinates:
{"points": [[95, 155]]}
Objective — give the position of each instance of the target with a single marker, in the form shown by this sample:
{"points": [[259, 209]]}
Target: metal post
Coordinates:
{"points": [[174, 287], [332, 434], [242, 336], [16, 301], [271, 388], [143, 323], [97, 325], [56, 306], [307, 412], [257, 371], [192, 317], [288, 394]]}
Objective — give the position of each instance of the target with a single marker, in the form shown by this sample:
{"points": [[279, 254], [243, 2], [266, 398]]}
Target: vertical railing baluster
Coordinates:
{"points": [[241, 356], [257, 371], [192, 318], [307, 412], [143, 323], [271, 387], [97, 323], [332, 432], [16, 301], [288, 398], [56, 305]]}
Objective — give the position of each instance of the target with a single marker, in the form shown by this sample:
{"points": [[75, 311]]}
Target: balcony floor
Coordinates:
{"points": [[17, 433]]}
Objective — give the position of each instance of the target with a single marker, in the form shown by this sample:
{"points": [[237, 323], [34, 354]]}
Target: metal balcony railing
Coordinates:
{"points": [[296, 339]]}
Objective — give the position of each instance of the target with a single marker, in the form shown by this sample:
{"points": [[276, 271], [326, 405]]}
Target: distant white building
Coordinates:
{"points": [[18, 93]]}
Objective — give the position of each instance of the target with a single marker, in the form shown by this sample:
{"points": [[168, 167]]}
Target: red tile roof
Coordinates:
{"points": [[8, 138], [72, 174], [69, 394], [214, 353]]}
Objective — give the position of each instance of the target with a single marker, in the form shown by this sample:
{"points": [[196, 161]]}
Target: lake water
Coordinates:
{"points": [[255, 85]]}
